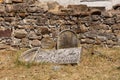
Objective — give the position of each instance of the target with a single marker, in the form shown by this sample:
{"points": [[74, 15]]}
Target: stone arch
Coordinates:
{"points": [[67, 39]]}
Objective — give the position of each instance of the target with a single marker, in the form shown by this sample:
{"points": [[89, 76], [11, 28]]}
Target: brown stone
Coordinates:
{"points": [[85, 20], [24, 43], [81, 29], [9, 8], [5, 33], [4, 46], [54, 7], [20, 34], [97, 26], [43, 30], [32, 9], [33, 36], [116, 27], [9, 19], [1, 19], [2, 8], [107, 14], [7, 1], [22, 15], [78, 9], [35, 43], [117, 19], [21, 7], [42, 5], [47, 43], [110, 43], [109, 21]]}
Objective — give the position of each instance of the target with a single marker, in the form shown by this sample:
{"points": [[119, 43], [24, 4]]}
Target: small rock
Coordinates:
{"points": [[32, 35], [95, 17], [102, 38], [35, 43], [109, 21], [116, 27], [2, 8], [56, 68], [24, 43], [8, 1], [107, 14], [20, 34], [43, 30]]}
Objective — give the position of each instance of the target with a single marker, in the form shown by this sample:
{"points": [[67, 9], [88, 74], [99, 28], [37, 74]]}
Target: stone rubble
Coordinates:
{"points": [[28, 22]]}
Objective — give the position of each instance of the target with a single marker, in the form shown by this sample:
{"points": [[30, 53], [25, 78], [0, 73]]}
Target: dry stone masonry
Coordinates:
{"points": [[30, 23]]}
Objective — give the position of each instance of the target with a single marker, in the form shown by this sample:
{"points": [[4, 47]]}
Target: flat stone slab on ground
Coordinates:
{"points": [[60, 56]]}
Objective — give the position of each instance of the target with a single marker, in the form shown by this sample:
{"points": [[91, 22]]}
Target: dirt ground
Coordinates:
{"points": [[103, 66]]}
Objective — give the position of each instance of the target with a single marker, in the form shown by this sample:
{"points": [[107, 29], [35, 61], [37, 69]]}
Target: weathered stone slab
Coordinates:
{"points": [[67, 39], [61, 56]]}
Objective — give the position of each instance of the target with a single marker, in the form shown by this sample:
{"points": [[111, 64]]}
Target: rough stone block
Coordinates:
{"points": [[5, 33], [8, 1], [2, 8], [35, 43], [20, 34], [9, 8]]}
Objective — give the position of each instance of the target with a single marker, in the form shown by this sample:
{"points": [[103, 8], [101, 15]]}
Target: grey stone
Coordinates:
{"points": [[102, 38], [109, 21], [115, 27], [91, 34], [56, 68], [16, 43]]}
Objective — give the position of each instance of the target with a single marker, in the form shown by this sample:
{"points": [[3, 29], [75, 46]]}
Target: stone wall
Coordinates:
{"points": [[30, 23]]}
